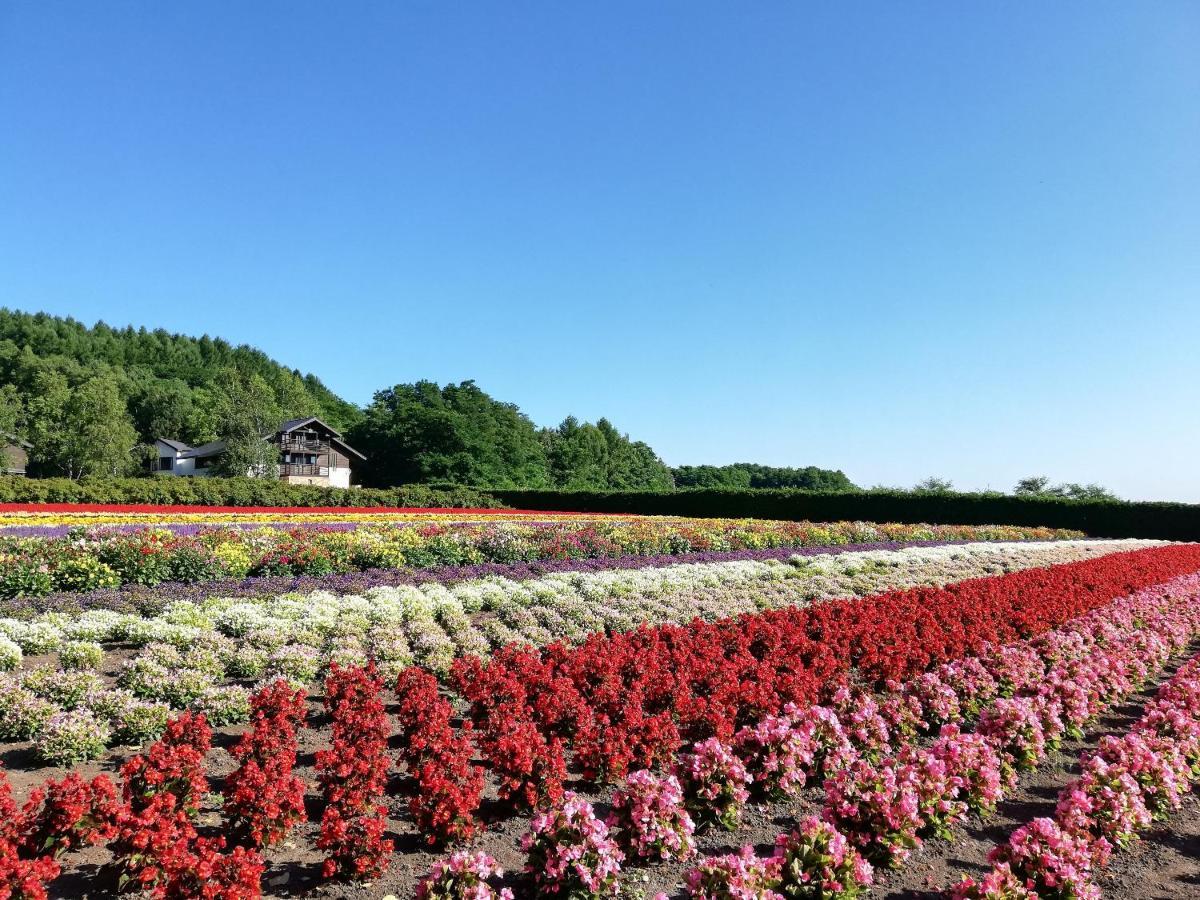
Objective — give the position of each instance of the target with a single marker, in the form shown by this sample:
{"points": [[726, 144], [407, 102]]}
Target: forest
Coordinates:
{"points": [[91, 401]]}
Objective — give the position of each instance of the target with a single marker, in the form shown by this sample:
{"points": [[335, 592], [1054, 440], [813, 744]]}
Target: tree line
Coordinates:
{"points": [[92, 400]]}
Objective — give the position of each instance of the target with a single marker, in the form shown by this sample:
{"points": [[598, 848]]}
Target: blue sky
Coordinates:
{"points": [[897, 239]]}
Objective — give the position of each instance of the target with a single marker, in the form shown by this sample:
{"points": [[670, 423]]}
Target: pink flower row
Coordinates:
{"points": [[884, 794], [1128, 782]]}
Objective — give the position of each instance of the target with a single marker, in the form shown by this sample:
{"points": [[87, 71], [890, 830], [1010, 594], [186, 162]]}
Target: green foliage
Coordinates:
{"points": [[1098, 518], [420, 432], [458, 433], [586, 457], [1039, 486], [215, 491], [752, 475], [248, 411], [85, 397], [934, 485]]}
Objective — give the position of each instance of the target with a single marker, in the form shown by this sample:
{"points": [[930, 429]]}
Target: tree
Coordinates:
{"points": [[1034, 484], [934, 485], [738, 476], [582, 456], [249, 414], [79, 431], [421, 432], [1039, 486]]}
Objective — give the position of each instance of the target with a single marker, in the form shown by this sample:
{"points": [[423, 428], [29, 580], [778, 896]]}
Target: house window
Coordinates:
{"points": [[202, 462], [164, 463]]}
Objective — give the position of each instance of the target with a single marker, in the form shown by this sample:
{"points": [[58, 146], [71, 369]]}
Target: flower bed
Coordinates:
{"points": [[86, 560], [1050, 646]]}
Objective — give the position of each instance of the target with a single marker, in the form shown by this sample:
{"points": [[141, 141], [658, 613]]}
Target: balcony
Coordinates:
{"points": [[307, 471], [304, 444]]}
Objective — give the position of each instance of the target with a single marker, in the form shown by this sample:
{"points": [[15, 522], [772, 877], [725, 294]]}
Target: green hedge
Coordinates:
{"points": [[1099, 518], [229, 492]]}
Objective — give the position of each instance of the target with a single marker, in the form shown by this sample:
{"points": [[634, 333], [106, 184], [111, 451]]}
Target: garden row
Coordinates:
{"points": [[1098, 518], [115, 677], [976, 705], [89, 559], [240, 492]]}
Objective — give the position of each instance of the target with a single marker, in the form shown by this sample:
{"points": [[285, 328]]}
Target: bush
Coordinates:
{"points": [[232, 492], [80, 655], [72, 737], [224, 705], [1098, 518]]}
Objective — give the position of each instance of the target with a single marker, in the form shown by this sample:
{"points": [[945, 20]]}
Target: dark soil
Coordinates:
{"points": [[1165, 864]]}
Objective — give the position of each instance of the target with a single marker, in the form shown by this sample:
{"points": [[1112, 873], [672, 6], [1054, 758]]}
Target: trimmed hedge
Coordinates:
{"points": [[1098, 518], [168, 490]]}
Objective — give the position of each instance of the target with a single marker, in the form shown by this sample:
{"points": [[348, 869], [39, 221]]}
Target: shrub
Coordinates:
{"points": [[714, 784], [71, 737], [295, 662], [570, 853], [816, 862], [140, 723], [80, 655], [463, 876], [10, 655], [23, 714], [649, 818], [224, 705]]}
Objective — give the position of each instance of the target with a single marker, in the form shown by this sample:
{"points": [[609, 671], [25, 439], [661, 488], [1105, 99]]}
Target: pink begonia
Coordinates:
{"points": [[975, 762], [1016, 668], [570, 852], [777, 755], [862, 723], [1050, 862], [971, 682], [1156, 763], [1076, 703], [1015, 729], [877, 807], [821, 729], [737, 876], [816, 861], [902, 713], [463, 875], [938, 791], [998, 884], [714, 784], [650, 819], [938, 701], [1103, 806]]}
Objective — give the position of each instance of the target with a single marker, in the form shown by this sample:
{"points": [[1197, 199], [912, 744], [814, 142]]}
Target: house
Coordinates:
{"points": [[310, 452], [14, 454]]}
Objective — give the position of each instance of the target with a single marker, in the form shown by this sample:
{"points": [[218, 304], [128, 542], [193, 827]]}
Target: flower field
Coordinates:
{"points": [[593, 707]]}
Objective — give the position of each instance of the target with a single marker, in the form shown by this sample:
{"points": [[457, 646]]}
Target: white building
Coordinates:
{"points": [[310, 452]]}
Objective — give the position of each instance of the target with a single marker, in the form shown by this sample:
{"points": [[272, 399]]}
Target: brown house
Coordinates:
{"points": [[310, 452], [14, 454]]}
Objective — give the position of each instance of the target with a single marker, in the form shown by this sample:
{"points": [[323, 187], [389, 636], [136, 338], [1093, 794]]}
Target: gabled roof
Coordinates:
{"points": [[293, 424], [212, 448], [13, 439], [177, 446]]}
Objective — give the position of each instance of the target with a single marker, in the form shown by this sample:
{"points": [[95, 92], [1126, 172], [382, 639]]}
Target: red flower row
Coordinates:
{"points": [[353, 775], [263, 799], [632, 700]]}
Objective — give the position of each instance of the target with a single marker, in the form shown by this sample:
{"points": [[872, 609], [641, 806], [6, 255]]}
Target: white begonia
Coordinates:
{"points": [[35, 638], [10, 654]]}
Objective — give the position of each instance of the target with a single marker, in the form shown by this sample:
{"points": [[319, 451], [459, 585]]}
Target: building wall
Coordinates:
{"points": [[13, 459]]}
